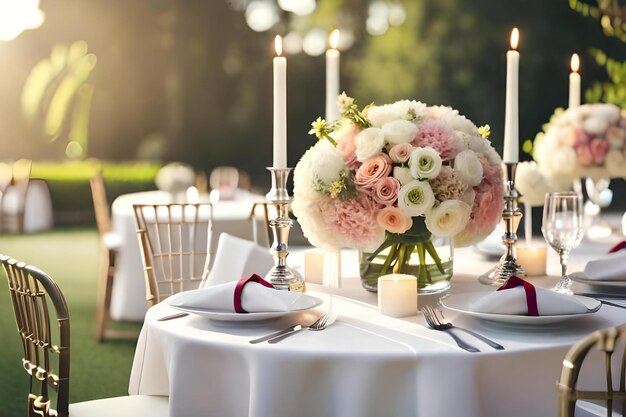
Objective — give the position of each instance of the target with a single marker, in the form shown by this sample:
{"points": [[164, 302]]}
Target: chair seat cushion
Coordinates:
{"points": [[597, 408], [127, 406]]}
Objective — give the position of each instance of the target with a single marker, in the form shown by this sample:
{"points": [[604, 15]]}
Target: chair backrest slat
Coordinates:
{"points": [[605, 341], [38, 302], [174, 241]]}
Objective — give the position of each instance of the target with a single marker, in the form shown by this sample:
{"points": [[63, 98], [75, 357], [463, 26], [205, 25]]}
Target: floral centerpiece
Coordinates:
{"points": [[390, 180], [583, 141]]}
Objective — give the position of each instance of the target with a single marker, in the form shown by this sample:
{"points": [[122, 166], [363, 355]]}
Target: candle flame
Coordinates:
{"points": [[278, 45], [575, 63], [334, 39], [514, 38]]}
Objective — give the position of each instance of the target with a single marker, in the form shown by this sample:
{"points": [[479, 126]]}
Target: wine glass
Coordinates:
{"points": [[563, 229]]}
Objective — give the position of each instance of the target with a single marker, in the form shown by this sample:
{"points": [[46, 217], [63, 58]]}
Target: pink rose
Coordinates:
{"points": [[583, 155], [394, 220], [372, 170], [598, 148], [581, 138], [386, 191], [346, 145], [400, 153]]}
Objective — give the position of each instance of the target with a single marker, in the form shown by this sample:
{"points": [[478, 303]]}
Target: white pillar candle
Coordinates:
{"points": [[280, 106], [511, 116], [397, 295], [574, 82], [532, 259], [332, 77], [314, 266]]}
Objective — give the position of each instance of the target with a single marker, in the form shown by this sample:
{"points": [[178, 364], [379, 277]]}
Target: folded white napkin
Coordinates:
{"points": [[236, 258], [255, 298], [513, 301], [610, 267]]}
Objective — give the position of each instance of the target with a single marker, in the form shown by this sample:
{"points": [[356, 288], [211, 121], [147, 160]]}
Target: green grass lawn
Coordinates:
{"points": [[98, 370]]}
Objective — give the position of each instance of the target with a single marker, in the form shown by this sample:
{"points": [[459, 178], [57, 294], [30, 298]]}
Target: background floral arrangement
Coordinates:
{"points": [[396, 175], [584, 141]]}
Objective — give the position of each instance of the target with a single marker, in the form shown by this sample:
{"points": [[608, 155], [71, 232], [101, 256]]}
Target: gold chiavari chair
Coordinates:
{"points": [[109, 245], [174, 241], [259, 218], [43, 324], [574, 401]]}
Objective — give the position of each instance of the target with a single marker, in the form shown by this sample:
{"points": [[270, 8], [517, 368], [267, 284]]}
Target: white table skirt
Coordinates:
{"points": [[365, 365], [38, 213], [128, 300]]}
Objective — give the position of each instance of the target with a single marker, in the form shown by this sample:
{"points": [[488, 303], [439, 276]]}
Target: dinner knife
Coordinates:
{"points": [[601, 297], [289, 329]]}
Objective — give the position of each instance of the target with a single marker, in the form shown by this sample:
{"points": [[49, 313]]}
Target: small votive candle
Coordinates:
{"points": [[532, 259], [397, 295], [314, 266]]}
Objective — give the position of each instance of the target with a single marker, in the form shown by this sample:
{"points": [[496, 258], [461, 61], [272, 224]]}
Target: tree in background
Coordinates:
{"points": [[611, 14]]}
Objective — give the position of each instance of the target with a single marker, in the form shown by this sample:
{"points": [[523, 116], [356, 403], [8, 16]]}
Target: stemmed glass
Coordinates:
{"points": [[563, 229]]}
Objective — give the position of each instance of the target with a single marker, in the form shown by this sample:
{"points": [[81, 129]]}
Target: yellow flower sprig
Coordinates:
{"points": [[348, 109], [484, 131], [322, 130]]}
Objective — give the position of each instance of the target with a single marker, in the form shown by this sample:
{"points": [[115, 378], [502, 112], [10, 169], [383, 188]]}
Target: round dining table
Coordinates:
{"points": [[365, 364], [128, 298]]}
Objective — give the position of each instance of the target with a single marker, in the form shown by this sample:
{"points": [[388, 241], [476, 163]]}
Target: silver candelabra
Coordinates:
{"points": [[281, 276], [511, 215]]}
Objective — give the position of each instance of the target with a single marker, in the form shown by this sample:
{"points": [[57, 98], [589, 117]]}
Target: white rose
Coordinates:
{"points": [[608, 112], [448, 218], [329, 162], [415, 198], [425, 163], [595, 125], [532, 183], [368, 143], [403, 175], [563, 160], [399, 131], [468, 168], [403, 109], [379, 115]]}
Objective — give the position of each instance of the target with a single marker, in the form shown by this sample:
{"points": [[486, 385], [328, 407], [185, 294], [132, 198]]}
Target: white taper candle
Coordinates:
{"points": [[280, 106], [511, 116]]}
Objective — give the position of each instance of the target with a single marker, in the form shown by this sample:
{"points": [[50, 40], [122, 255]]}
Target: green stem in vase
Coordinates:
{"points": [[423, 275], [400, 259], [390, 257], [433, 254]]}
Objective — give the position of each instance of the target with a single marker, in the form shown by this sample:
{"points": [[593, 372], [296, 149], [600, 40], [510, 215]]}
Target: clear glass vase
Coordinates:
{"points": [[433, 275]]}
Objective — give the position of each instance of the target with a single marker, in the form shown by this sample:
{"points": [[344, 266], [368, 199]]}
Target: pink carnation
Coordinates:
{"points": [[487, 207], [583, 155], [439, 136], [386, 191], [599, 148], [400, 153], [372, 170], [347, 146], [353, 220]]}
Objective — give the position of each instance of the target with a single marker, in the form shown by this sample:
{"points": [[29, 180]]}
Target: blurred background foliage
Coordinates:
{"points": [[191, 81]]}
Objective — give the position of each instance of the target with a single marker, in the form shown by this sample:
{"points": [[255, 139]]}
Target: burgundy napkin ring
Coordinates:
{"points": [[239, 290], [531, 294], [621, 245]]}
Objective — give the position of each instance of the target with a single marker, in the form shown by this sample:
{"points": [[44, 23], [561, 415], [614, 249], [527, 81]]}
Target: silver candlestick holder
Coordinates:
{"points": [[281, 276], [511, 215]]}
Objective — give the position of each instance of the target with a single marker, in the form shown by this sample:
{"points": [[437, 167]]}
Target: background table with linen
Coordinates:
{"points": [[128, 300]]}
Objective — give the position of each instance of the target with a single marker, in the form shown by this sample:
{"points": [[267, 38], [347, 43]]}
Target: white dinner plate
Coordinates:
{"points": [[304, 302], [584, 279], [461, 302]]}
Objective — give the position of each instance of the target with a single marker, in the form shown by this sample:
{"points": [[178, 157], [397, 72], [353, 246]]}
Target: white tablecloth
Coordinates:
{"points": [[128, 301], [365, 365], [37, 206]]}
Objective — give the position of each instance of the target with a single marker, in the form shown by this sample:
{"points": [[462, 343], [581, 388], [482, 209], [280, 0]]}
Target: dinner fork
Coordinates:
{"points": [[320, 324], [433, 323], [442, 324]]}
